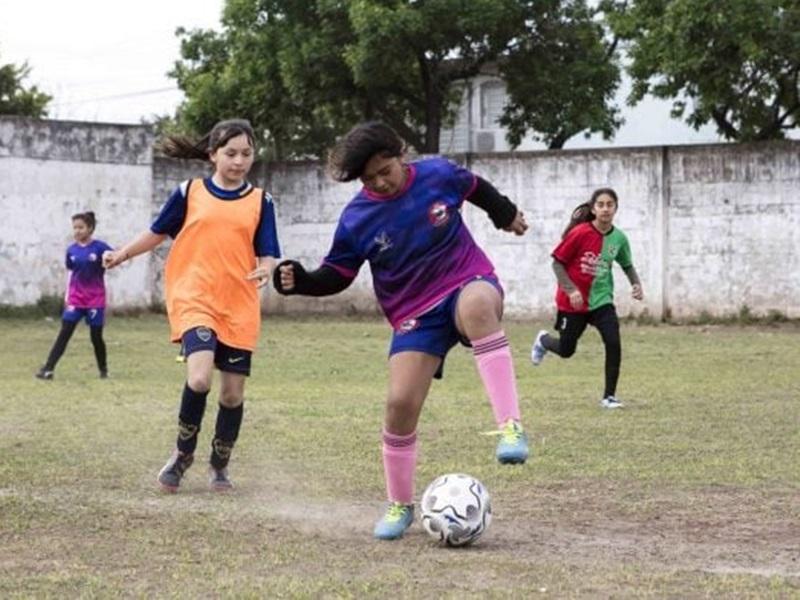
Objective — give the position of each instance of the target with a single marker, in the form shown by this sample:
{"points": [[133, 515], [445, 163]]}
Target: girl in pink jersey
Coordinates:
{"points": [[435, 285], [85, 297], [582, 262]]}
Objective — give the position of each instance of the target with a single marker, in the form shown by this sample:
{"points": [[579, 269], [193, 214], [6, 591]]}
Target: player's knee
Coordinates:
{"points": [[567, 350], [199, 383], [478, 311], [230, 398]]}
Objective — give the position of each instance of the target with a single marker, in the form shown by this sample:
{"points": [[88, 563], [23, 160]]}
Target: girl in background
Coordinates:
{"points": [[585, 295], [85, 297], [435, 285], [224, 249]]}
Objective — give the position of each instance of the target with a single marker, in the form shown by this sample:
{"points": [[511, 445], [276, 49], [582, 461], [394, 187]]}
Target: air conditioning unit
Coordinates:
{"points": [[484, 141]]}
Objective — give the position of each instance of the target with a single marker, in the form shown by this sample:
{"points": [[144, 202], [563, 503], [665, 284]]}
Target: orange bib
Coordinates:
{"points": [[207, 264]]}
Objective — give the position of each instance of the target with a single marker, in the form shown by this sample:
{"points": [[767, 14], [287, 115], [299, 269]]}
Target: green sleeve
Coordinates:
{"points": [[624, 256]]}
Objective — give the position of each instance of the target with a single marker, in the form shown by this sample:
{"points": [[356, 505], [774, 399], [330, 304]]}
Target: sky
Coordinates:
{"points": [[107, 61], [102, 60]]}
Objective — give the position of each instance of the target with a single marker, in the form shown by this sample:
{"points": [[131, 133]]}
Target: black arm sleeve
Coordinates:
{"points": [[632, 275], [502, 211], [324, 281], [564, 282]]}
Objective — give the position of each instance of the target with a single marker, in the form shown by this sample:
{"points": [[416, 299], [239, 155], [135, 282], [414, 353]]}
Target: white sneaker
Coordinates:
{"points": [[538, 350], [610, 402]]}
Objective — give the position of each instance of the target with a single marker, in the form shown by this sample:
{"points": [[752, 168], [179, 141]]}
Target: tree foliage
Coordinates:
{"points": [[561, 75], [731, 62], [304, 71], [15, 98]]}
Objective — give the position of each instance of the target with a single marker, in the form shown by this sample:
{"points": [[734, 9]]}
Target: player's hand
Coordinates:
{"points": [[263, 272], [112, 258], [286, 274], [637, 292], [518, 226], [576, 299]]}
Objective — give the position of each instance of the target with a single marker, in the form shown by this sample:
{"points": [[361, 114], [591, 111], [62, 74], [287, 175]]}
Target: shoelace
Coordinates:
{"points": [[396, 512], [511, 433]]}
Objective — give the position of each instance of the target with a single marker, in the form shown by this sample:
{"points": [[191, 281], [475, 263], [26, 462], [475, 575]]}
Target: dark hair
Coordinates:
{"points": [[87, 217], [179, 146], [347, 159], [583, 212]]}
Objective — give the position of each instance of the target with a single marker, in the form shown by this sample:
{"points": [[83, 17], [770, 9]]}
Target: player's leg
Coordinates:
{"points": [[570, 327], [607, 323], [234, 366], [410, 376], [199, 344], [69, 321], [96, 319], [478, 311]]}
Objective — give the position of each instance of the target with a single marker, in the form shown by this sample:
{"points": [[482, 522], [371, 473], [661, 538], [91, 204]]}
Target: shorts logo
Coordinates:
{"points": [[408, 325], [203, 334], [437, 214], [235, 359]]}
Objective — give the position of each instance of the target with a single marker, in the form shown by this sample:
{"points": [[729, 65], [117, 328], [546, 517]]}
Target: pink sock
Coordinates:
{"points": [[399, 464], [496, 368]]}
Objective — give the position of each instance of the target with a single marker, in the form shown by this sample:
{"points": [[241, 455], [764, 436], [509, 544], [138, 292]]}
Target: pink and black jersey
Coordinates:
{"points": [[416, 243], [86, 287], [588, 257]]}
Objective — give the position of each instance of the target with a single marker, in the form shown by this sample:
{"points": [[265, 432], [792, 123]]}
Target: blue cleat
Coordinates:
{"points": [[513, 445], [394, 523]]}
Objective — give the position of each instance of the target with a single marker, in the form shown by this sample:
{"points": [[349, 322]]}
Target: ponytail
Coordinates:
{"points": [[180, 146], [580, 214]]}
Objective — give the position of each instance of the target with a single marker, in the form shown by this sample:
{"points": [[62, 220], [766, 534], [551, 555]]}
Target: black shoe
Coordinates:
{"points": [[219, 480], [104, 374], [171, 474], [44, 374]]}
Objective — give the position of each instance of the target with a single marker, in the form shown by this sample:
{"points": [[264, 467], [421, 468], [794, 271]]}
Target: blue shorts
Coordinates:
{"points": [[226, 358], [435, 332], [95, 317]]}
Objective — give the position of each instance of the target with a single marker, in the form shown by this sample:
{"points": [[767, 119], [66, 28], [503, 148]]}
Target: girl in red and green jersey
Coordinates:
{"points": [[583, 264]]}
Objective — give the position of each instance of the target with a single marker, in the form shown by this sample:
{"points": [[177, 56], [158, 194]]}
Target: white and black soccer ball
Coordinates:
{"points": [[456, 509]]}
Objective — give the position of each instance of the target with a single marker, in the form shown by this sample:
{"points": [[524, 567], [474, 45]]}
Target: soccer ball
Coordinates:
{"points": [[456, 509]]}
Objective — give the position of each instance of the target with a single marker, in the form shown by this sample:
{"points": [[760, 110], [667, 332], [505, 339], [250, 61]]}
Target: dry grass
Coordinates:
{"points": [[691, 491]]}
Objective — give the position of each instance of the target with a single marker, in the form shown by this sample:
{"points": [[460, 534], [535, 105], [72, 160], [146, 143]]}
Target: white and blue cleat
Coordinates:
{"points": [[513, 445], [394, 523]]}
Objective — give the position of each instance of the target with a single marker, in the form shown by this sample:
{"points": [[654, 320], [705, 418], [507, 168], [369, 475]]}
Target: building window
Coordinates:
{"points": [[493, 99]]}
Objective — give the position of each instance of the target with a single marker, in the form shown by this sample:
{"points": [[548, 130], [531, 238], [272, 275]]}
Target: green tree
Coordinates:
{"points": [[561, 76], [15, 98], [304, 71], [732, 62], [410, 56]]}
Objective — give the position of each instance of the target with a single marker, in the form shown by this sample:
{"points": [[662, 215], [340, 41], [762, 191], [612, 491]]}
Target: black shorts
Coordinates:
{"points": [[226, 358]]}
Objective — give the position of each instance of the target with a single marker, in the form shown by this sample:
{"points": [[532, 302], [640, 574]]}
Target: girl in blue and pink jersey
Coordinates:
{"points": [[435, 285], [86, 294]]}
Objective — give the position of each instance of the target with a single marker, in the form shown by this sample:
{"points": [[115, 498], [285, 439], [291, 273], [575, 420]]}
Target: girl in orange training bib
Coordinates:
{"points": [[224, 250]]}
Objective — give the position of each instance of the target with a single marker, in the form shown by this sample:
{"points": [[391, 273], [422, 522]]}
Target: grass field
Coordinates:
{"points": [[693, 490]]}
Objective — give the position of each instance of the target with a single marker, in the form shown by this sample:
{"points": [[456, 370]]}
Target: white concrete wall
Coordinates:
{"points": [[734, 229], [712, 228]]}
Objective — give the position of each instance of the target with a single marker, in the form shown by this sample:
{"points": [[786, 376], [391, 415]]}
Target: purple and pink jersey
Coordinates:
{"points": [[86, 287], [417, 245]]}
